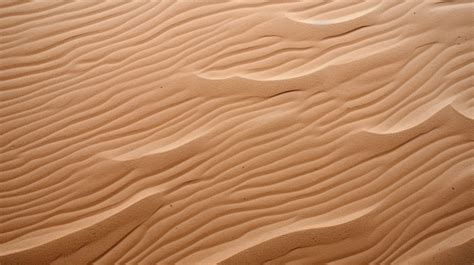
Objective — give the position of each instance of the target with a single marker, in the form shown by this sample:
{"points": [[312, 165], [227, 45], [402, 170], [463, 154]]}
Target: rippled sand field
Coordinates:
{"points": [[236, 132]]}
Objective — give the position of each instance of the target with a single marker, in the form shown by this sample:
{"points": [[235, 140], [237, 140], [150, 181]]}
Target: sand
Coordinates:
{"points": [[236, 132]]}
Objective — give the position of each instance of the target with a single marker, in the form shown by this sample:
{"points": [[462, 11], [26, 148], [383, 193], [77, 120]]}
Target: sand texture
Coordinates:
{"points": [[236, 132]]}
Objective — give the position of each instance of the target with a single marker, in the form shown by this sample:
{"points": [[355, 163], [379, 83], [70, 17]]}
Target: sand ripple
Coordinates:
{"points": [[236, 132]]}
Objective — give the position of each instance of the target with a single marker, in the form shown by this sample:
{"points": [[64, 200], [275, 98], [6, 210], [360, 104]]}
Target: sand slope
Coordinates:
{"points": [[236, 132]]}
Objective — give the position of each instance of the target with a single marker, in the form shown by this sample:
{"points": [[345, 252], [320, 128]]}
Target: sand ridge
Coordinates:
{"points": [[236, 132]]}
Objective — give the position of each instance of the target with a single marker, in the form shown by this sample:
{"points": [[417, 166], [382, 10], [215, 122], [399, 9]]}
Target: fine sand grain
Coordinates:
{"points": [[236, 132]]}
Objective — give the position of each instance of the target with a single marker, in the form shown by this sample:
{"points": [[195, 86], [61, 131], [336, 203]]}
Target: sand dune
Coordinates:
{"points": [[236, 132]]}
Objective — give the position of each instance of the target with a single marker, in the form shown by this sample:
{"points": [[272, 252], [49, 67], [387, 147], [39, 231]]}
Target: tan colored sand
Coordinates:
{"points": [[236, 132]]}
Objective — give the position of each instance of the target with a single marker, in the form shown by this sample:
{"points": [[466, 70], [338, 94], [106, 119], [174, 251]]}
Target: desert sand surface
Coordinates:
{"points": [[236, 132]]}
